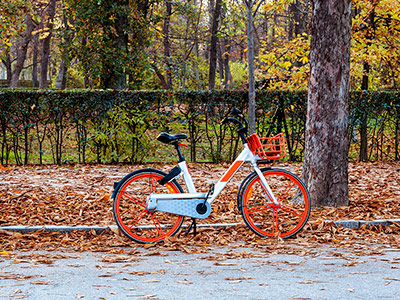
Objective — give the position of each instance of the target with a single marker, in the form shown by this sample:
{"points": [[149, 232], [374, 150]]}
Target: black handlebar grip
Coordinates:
{"points": [[232, 120], [236, 112]]}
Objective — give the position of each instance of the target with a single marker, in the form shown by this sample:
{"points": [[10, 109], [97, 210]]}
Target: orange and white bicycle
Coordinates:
{"points": [[149, 205]]}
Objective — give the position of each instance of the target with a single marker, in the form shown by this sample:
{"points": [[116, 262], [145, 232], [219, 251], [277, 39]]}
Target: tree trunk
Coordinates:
{"points": [[364, 118], [167, 45], [61, 81], [21, 49], [196, 63], [143, 7], [325, 166], [35, 50], [45, 54], [213, 44], [228, 74], [250, 60], [196, 50], [297, 20], [122, 42], [7, 64], [220, 62]]}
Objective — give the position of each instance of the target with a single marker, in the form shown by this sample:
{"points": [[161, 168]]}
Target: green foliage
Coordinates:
{"points": [[12, 14], [121, 126], [107, 39], [375, 47], [239, 74], [124, 131]]}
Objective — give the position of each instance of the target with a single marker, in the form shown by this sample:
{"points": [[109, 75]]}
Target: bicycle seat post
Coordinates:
{"points": [[178, 149]]}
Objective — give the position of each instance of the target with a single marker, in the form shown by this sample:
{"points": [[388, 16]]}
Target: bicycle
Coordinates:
{"points": [[149, 205]]}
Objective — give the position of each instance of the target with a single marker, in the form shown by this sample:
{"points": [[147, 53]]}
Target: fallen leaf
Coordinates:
{"points": [[185, 281], [224, 264], [5, 253], [41, 282]]}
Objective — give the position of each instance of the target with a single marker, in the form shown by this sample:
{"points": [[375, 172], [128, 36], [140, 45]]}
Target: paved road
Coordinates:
{"points": [[150, 274]]}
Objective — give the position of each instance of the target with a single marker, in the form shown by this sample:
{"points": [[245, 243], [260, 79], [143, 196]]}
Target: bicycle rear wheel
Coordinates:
{"points": [[262, 215], [129, 207]]}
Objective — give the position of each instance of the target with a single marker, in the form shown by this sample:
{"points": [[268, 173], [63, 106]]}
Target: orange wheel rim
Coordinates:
{"points": [[303, 214], [152, 215]]}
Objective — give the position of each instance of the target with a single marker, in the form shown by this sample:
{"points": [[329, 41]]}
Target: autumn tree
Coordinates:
{"points": [[284, 52], [325, 166], [108, 39], [15, 31], [12, 17], [375, 53]]}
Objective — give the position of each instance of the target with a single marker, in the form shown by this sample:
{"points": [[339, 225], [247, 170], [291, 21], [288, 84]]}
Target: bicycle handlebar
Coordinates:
{"points": [[232, 120], [243, 128]]}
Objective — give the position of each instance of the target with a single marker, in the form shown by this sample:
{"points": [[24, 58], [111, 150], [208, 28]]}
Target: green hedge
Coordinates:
{"points": [[120, 126]]}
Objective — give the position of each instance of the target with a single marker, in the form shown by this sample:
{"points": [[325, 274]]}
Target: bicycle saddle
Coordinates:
{"points": [[167, 138]]}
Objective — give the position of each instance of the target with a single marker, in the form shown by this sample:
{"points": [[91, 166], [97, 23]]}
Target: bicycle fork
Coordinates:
{"points": [[264, 184]]}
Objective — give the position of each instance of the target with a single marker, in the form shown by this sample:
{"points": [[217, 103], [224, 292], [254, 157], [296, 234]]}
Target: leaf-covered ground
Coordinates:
{"points": [[80, 195]]}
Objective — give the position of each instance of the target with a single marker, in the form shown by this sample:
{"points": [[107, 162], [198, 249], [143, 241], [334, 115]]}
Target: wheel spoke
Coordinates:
{"points": [[292, 210], [259, 208], [265, 191], [286, 191], [282, 217], [275, 221], [135, 199], [130, 212], [157, 224], [137, 219], [153, 185]]}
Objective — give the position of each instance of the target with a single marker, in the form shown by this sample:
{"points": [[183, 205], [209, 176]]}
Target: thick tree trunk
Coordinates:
{"points": [[325, 167], [21, 49], [213, 45], [45, 54]]}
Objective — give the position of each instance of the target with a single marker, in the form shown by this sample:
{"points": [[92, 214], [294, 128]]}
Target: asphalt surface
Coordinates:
{"points": [[221, 273]]}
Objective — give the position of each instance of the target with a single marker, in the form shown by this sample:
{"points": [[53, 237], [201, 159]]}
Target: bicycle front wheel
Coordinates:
{"points": [[129, 207], [267, 219]]}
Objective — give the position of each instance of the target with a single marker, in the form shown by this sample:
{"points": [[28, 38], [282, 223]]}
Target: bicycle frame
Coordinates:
{"points": [[284, 212], [166, 199]]}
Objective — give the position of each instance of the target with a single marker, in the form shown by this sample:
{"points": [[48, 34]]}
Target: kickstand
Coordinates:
{"points": [[193, 225]]}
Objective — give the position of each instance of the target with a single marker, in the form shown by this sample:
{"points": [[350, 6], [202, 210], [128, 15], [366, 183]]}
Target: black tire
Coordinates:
{"points": [[129, 207], [262, 216]]}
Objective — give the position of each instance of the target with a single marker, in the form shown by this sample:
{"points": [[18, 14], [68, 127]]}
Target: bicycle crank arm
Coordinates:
{"points": [[195, 208]]}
